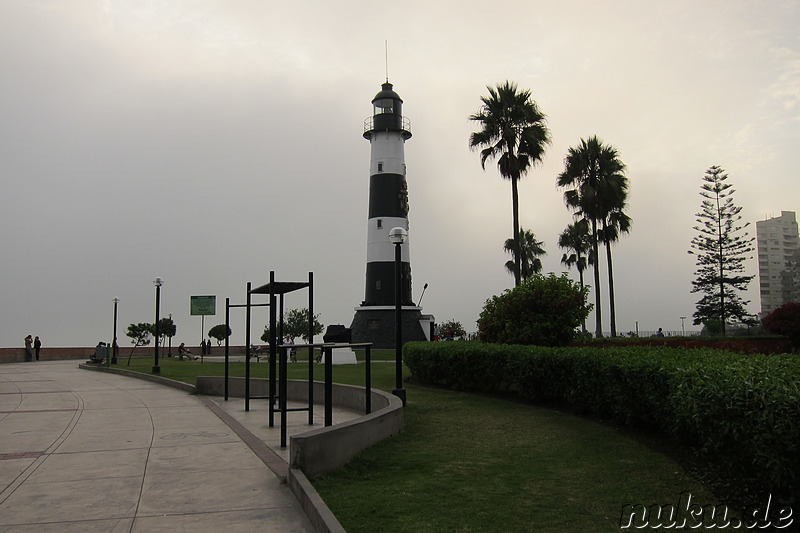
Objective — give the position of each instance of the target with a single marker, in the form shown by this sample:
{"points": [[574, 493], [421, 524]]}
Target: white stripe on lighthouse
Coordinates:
{"points": [[387, 154], [379, 247]]}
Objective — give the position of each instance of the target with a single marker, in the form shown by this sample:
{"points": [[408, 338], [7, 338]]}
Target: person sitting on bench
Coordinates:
{"points": [[183, 350], [99, 353]]}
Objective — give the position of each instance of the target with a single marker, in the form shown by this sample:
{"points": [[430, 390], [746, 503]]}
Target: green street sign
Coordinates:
{"points": [[203, 305]]}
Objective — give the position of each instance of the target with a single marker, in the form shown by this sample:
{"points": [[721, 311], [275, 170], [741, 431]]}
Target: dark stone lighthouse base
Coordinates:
{"points": [[377, 325]]}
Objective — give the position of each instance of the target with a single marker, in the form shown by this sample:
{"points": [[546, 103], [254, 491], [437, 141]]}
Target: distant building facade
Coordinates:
{"points": [[778, 261]]}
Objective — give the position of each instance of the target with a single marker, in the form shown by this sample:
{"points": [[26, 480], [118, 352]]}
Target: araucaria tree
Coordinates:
{"points": [[597, 192], [721, 247], [513, 131]]}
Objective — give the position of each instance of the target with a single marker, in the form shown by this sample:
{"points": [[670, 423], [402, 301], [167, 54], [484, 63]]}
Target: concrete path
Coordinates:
{"points": [[87, 451]]}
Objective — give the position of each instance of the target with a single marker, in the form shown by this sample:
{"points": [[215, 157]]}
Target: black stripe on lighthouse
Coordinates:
{"points": [[380, 284], [388, 196]]}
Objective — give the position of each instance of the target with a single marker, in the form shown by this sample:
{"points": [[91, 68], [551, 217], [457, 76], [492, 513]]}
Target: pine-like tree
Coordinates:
{"points": [[721, 247]]}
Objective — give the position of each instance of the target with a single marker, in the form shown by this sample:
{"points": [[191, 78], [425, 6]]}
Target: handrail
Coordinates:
{"points": [[369, 124], [327, 348]]}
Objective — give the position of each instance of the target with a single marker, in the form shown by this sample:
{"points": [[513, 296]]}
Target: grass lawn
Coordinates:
{"points": [[469, 463]]}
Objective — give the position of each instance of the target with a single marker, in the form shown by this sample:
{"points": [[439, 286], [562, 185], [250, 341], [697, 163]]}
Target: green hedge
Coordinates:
{"points": [[741, 409]]}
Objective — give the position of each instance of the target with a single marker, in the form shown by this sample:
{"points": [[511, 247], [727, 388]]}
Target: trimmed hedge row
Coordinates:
{"points": [[743, 409]]}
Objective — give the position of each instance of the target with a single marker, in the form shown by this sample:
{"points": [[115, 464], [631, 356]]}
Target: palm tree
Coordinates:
{"points": [[530, 250], [513, 131], [587, 168], [575, 240]]}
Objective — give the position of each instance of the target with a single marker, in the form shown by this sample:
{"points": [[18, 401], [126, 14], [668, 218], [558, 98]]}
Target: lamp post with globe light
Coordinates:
{"points": [[397, 236]]}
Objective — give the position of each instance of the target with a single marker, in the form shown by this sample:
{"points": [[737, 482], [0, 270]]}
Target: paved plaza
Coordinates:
{"points": [[88, 451]]}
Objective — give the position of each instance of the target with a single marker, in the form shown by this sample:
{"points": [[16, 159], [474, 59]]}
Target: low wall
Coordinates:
{"points": [[17, 355], [55, 353], [320, 450]]}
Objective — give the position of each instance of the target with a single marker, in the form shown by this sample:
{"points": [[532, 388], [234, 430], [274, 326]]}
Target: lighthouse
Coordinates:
{"points": [[387, 130]]}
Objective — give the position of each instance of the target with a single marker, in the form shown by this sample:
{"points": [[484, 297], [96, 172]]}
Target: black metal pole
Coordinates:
{"points": [[273, 347], [328, 386], [156, 368], [227, 343], [310, 349], [247, 353], [114, 342], [398, 391], [283, 394], [368, 379]]}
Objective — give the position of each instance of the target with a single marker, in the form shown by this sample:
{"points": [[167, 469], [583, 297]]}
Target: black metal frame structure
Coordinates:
{"points": [[278, 381]]}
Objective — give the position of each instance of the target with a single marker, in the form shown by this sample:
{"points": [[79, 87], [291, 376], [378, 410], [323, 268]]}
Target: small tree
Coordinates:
{"points": [[785, 320], [721, 248], [140, 336], [542, 310], [219, 332], [454, 326], [166, 328], [265, 335], [297, 324]]}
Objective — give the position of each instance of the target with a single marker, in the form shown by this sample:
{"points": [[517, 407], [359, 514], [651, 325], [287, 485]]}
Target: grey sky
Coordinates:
{"points": [[210, 142]]}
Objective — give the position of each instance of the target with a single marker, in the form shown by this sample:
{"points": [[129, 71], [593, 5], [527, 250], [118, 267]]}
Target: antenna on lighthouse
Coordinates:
{"points": [[386, 53]]}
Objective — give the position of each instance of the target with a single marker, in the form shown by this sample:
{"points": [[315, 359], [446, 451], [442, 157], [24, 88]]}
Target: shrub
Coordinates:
{"points": [[542, 310], [785, 320]]}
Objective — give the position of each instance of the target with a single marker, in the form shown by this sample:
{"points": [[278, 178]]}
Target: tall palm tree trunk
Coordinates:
{"points": [[515, 210], [598, 321], [612, 307]]}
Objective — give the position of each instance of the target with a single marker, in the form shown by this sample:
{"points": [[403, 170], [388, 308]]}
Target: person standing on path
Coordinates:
{"points": [[37, 345], [28, 349]]}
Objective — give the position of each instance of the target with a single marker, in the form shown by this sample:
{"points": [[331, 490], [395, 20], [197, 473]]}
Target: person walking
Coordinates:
{"points": [[37, 345], [28, 348]]}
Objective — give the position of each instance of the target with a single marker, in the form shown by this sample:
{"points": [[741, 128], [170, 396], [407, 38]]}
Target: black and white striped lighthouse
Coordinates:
{"points": [[387, 131]]}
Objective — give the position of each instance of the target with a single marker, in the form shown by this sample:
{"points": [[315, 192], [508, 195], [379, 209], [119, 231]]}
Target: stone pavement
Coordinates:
{"points": [[88, 451]]}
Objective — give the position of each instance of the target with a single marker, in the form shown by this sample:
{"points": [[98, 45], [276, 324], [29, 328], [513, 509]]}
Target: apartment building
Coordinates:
{"points": [[778, 261]]}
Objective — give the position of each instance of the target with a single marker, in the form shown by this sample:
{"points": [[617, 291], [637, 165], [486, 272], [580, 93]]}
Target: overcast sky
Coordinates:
{"points": [[209, 142]]}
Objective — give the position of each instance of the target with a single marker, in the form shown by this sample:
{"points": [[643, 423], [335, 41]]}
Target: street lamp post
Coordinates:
{"points": [[158, 282], [683, 329], [114, 341], [397, 236]]}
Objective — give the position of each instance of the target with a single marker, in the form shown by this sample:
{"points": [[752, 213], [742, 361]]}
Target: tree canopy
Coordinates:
{"points": [[530, 249], [542, 310], [219, 332]]}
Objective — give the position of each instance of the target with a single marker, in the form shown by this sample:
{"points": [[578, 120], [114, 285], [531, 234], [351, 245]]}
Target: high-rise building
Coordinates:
{"points": [[778, 261]]}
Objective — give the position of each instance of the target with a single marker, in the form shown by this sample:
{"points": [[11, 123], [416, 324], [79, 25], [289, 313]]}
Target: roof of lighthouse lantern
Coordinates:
{"points": [[387, 92]]}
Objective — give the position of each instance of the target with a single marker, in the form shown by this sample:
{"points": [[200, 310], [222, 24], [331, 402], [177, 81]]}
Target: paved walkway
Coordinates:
{"points": [[87, 451]]}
